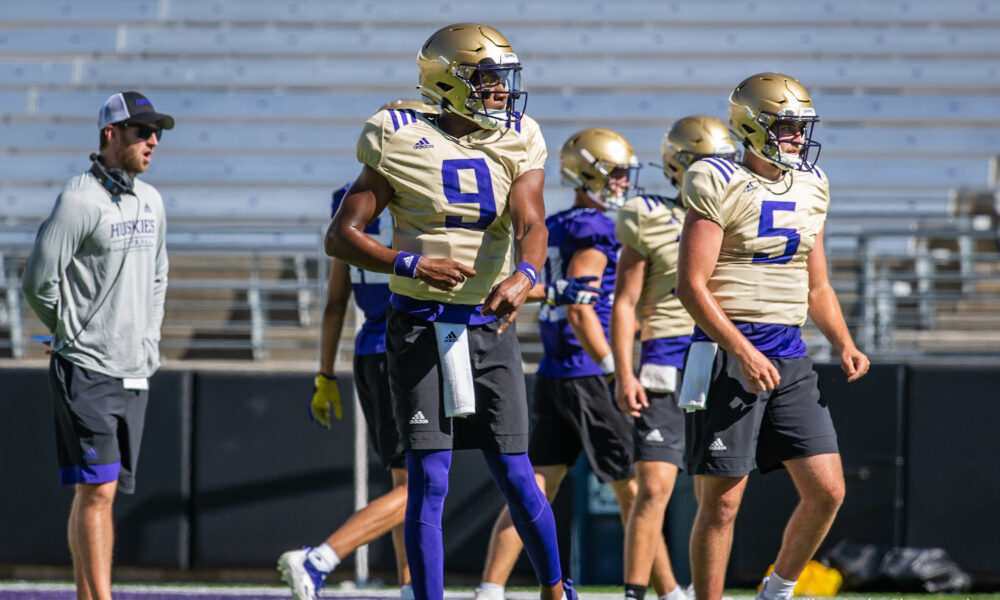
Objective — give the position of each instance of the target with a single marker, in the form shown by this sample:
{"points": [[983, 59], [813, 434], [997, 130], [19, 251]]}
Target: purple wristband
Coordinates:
{"points": [[528, 270], [405, 264]]}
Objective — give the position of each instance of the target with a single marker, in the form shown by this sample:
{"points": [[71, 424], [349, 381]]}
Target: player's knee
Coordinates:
{"points": [[654, 491], [721, 512], [829, 497], [96, 494]]}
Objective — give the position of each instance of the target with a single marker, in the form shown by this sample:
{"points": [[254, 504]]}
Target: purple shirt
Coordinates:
{"points": [[570, 231]]}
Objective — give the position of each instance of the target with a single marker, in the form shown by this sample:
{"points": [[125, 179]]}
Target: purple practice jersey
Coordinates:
{"points": [[371, 290], [570, 231]]}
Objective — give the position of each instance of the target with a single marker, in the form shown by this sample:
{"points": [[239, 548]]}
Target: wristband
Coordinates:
{"points": [[608, 364], [529, 272], [405, 264]]}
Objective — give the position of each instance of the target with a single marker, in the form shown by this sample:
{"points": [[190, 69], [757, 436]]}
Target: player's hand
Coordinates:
{"points": [[572, 291], [442, 273], [506, 298], [325, 394], [758, 372], [630, 396], [854, 363]]}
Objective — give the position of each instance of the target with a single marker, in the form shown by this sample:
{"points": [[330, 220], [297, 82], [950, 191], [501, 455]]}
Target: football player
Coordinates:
{"points": [[649, 228], [457, 184], [751, 267], [572, 409]]}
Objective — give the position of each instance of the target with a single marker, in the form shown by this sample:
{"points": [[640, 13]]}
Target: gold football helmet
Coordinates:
{"points": [[602, 163], [409, 104], [465, 64], [762, 102], [693, 138]]}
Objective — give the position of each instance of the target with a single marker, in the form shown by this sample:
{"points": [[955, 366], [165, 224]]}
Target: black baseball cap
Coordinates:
{"points": [[131, 107]]}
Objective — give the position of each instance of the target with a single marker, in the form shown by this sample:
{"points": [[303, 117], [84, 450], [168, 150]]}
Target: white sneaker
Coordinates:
{"points": [[300, 575], [763, 595], [482, 594]]}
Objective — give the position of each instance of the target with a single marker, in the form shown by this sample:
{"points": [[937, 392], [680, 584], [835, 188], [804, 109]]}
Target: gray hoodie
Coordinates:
{"points": [[97, 277]]}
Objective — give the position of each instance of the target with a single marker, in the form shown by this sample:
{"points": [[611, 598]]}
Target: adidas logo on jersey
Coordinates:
{"points": [[451, 338], [147, 209], [423, 144], [717, 446], [418, 418], [654, 436], [90, 454], [750, 187]]}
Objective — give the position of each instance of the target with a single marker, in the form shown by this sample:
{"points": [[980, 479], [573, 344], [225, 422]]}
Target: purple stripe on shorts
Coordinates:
{"points": [[90, 473]]}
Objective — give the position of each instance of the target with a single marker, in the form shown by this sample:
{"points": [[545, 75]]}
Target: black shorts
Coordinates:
{"points": [[371, 379], [500, 423], [659, 430], [98, 425], [577, 413], [740, 429]]}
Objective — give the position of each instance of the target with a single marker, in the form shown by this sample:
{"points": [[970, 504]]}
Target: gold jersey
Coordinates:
{"points": [[769, 229], [451, 194], [652, 226]]}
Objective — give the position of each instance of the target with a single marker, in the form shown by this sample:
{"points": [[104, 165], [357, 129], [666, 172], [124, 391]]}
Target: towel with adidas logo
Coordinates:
{"points": [[458, 389]]}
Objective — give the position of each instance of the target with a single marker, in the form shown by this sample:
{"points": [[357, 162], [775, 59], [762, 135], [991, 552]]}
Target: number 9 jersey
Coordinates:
{"points": [[769, 228], [450, 194]]}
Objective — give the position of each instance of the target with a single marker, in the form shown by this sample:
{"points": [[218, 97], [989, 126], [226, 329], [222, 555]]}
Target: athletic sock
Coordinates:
{"points": [[777, 586], [406, 592], [323, 558], [635, 592], [675, 594], [427, 486], [490, 591], [530, 512]]}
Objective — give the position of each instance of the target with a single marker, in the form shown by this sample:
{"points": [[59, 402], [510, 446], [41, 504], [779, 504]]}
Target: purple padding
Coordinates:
{"points": [[90, 473]]}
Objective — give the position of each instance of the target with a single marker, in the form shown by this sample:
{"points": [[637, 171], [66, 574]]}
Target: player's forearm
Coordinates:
{"points": [[588, 331], [824, 309], [331, 329], [622, 335], [530, 245]]}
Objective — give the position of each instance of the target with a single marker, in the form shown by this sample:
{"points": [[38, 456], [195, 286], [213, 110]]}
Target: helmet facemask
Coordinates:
{"points": [[808, 149], [607, 184], [488, 85]]}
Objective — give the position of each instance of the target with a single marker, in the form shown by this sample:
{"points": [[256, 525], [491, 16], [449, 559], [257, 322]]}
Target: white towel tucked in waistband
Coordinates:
{"points": [[456, 369], [661, 379], [697, 376]]}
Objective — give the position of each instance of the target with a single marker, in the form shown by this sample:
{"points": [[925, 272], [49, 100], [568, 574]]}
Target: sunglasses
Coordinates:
{"points": [[142, 131]]}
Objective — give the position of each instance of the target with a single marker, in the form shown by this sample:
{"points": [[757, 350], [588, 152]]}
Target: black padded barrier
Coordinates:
{"points": [[953, 466]]}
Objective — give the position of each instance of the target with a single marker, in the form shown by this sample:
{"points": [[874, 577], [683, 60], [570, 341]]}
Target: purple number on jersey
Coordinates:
{"points": [[766, 228], [483, 196]]}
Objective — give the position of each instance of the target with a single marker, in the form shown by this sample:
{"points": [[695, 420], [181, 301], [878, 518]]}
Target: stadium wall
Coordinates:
{"points": [[232, 473]]}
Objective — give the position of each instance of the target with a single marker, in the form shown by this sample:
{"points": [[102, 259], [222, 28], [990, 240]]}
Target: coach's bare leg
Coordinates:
{"points": [[91, 539], [381, 515], [820, 482], [712, 533], [646, 557], [505, 545]]}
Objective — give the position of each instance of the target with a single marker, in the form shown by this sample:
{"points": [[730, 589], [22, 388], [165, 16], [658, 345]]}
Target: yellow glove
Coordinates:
{"points": [[325, 394]]}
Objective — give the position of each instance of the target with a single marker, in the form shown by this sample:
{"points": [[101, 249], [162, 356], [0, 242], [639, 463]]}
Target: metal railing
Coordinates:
{"points": [[256, 293]]}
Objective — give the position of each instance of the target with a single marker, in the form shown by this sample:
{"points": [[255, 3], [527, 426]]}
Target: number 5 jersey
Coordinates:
{"points": [[769, 228]]}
